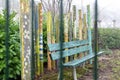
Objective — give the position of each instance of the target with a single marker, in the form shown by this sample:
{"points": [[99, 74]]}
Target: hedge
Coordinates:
{"points": [[109, 37]]}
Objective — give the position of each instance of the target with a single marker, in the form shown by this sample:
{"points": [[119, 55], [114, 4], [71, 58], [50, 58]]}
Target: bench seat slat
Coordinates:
{"points": [[56, 46], [78, 61], [69, 52], [81, 60]]}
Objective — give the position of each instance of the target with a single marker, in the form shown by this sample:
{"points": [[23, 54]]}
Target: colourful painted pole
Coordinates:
{"points": [[39, 42], [49, 24], [25, 29]]}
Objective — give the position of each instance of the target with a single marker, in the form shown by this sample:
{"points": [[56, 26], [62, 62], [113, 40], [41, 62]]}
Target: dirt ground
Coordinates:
{"points": [[108, 69]]}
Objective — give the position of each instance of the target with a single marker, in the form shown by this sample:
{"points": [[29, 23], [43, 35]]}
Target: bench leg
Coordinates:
{"points": [[74, 73], [59, 75], [91, 61]]}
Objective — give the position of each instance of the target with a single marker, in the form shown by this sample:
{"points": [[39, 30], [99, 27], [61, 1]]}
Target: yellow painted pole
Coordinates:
{"points": [[53, 37], [49, 24], [80, 28], [85, 29], [66, 26]]}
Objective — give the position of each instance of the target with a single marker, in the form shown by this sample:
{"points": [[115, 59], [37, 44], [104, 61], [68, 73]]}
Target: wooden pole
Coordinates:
{"points": [[89, 30], [37, 47], [25, 29], [53, 29], [80, 28], [36, 40], [84, 29], [66, 26], [40, 38], [49, 24], [57, 33], [74, 26]]}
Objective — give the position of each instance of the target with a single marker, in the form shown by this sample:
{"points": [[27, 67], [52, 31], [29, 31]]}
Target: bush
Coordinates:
{"points": [[14, 47], [109, 37]]}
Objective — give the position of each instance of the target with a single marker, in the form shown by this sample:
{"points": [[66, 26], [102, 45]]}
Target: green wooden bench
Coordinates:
{"points": [[70, 49]]}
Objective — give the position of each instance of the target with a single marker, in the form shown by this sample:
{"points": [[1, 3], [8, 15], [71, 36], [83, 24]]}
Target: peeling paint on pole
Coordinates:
{"points": [[25, 27]]}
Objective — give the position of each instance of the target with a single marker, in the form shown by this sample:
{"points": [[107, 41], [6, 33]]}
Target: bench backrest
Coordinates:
{"points": [[69, 48]]}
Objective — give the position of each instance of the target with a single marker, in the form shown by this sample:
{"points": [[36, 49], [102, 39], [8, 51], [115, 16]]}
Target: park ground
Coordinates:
{"points": [[109, 69]]}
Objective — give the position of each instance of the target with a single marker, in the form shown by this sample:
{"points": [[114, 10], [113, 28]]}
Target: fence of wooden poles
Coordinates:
{"points": [[73, 30]]}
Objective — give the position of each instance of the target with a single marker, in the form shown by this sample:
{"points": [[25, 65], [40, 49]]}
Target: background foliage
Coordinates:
{"points": [[109, 37], [14, 47]]}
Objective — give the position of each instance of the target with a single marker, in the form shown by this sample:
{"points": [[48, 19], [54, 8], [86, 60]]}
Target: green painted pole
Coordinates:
{"points": [[89, 29], [96, 42], [7, 40], [32, 42], [61, 39]]}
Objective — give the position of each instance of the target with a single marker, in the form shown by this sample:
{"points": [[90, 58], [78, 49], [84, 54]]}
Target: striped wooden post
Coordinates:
{"points": [[80, 28], [25, 29], [66, 26], [49, 24], [40, 38]]}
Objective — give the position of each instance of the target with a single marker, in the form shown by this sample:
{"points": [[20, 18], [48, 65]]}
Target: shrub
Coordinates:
{"points": [[14, 47], [109, 37]]}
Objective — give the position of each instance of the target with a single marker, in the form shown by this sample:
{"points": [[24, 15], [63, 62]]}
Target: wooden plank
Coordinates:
{"points": [[49, 24], [78, 61], [56, 46], [69, 52], [25, 18]]}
